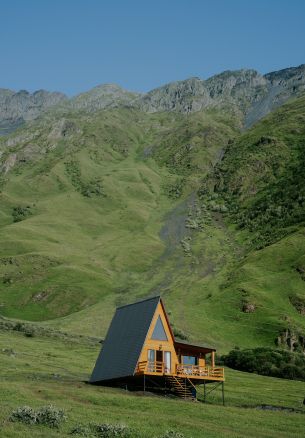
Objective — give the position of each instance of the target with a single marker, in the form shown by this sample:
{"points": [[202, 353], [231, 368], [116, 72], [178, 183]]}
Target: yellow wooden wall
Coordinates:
{"points": [[152, 344]]}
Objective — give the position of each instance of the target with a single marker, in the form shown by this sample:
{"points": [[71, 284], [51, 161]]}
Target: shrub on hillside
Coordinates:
{"points": [[112, 431], [88, 189], [20, 213], [82, 430], [174, 189], [268, 362], [24, 414], [92, 188], [50, 416], [28, 330]]}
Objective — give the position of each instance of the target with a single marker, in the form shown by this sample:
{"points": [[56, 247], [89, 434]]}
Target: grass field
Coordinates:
{"points": [[37, 371]]}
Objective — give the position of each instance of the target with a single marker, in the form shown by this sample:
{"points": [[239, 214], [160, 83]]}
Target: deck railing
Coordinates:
{"points": [[181, 370], [199, 371], [151, 367]]}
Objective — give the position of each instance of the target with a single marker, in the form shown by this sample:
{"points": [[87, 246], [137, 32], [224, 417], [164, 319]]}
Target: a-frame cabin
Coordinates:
{"points": [[140, 351]]}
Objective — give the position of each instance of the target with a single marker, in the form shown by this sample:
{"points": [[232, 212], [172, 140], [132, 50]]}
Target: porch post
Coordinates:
{"points": [[213, 359]]}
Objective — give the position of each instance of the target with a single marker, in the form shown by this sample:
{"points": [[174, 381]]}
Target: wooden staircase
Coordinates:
{"points": [[182, 387]]}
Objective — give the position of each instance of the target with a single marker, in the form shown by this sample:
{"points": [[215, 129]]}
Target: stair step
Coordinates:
{"points": [[181, 387]]}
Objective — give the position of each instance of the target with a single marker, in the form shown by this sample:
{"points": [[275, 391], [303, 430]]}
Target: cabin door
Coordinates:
{"points": [[159, 356], [167, 362]]}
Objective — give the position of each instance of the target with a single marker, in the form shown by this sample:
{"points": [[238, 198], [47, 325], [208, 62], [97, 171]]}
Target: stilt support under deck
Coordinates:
{"points": [[207, 392]]}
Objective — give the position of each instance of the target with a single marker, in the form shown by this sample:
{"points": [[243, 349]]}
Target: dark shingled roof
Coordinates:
{"points": [[124, 341]]}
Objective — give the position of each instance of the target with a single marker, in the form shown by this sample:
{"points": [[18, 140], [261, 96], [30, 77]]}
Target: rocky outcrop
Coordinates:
{"points": [[103, 96], [291, 340], [16, 108], [281, 86], [63, 128], [298, 303], [228, 88], [9, 163], [247, 91], [248, 307], [184, 96]]}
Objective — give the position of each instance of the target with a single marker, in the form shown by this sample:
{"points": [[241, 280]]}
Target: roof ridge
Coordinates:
{"points": [[141, 301]]}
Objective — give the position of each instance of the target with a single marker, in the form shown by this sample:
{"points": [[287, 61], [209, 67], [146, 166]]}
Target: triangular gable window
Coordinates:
{"points": [[159, 332]]}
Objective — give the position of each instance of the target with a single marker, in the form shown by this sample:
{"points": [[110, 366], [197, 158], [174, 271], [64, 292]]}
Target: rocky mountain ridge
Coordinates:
{"points": [[245, 91], [253, 94], [102, 97], [21, 106]]}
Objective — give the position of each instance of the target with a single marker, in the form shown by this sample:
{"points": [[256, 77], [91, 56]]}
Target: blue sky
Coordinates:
{"points": [[73, 45]]}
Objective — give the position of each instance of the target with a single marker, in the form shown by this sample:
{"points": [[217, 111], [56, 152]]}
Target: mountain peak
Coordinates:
{"points": [[103, 96], [17, 107], [108, 87], [247, 91], [286, 73]]}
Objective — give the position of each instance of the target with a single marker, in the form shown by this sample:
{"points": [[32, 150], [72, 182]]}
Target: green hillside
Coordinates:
{"points": [[100, 209], [260, 184], [262, 175]]}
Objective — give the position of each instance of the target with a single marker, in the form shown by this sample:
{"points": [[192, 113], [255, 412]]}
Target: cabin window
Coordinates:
{"points": [[151, 355], [159, 332], [189, 360]]}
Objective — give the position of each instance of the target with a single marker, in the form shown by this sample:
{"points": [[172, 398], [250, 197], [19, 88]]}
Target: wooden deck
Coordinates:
{"points": [[189, 371]]}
